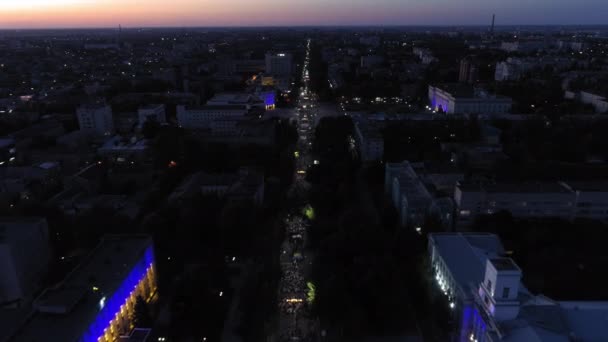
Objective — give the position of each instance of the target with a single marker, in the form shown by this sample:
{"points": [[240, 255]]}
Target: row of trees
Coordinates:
{"points": [[366, 266]]}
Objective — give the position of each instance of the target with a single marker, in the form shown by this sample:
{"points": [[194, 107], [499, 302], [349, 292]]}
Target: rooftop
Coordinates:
{"points": [[93, 106], [457, 89], [218, 107], [65, 312], [465, 91], [465, 254], [504, 264], [151, 106], [589, 186], [119, 143], [526, 187], [6, 142]]}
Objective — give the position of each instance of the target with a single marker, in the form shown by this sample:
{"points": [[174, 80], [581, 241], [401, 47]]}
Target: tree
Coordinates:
{"points": [[150, 129]]}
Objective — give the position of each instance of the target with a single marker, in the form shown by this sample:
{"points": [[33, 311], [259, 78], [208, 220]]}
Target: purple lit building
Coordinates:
{"points": [[96, 300], [466, 99]]}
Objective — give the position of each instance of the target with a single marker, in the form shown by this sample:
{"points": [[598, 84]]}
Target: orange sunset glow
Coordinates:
{"points": [[177, 13], [105, 13]]}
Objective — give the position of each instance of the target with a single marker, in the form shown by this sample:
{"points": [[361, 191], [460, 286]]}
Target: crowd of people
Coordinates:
{"points": [[292, 303]]}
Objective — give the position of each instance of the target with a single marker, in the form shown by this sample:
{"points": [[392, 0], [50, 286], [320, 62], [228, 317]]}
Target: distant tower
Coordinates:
{"points": [[492, 28]]}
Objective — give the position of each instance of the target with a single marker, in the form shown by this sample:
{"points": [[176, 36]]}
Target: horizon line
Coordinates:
{"points": [[291, 26]]}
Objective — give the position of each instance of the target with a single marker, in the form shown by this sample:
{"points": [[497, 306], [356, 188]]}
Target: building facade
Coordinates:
{"points": [[408, 194], [97, 118], [564, 200], [599, 102], [527, 200], [279, 64], [461, 100], [369, 141], [469, 71], [24, 257], [152, 112], [202, 117]]}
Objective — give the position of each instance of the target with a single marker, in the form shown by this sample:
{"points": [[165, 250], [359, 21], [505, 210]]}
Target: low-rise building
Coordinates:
{"points": [[523, 46], [425, 55], [96, 117], [408, 194], [8, 151], [522, 200], [236, 99], [245, 185], [591, 200], [599, 102], [27, 181], [123, 150], [490, 303], [566, 200], [25, 255], [369, 140], [201, 117], [155, 112], [514, 68], [460, 99], [371, 61]]}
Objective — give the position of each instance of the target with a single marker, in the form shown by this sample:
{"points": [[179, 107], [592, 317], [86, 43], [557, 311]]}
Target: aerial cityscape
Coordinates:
{"points": [[319, 171]]}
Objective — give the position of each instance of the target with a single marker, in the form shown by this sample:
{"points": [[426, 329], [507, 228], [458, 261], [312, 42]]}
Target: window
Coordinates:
{"points": [[465, 212], [489, 285], [505, 292]]}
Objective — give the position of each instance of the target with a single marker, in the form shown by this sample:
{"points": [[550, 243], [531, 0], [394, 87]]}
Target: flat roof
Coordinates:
{"points": [[465, 91], [457, 89], [151, 106], [20, 220], [589, 186], [465, 254], [93, 106], [119, 143], [504, 264], [525, 187], [217, 107], [6, 142]]}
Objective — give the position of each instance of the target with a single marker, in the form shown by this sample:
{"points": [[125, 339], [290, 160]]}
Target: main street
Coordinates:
{"points": [[295, 293]]}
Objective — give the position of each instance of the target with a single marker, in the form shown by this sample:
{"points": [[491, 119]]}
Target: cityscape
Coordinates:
{"points": [[324, 171]]}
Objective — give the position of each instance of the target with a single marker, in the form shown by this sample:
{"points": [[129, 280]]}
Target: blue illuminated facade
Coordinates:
{"points": [[114, 302], [473, 327], [269, 99]]}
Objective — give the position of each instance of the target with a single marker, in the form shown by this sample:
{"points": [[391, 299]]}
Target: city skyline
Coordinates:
{"points": [[181, 13]]}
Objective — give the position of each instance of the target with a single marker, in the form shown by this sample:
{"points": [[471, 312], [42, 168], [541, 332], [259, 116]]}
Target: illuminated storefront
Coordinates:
{"points": [[269, 100]]}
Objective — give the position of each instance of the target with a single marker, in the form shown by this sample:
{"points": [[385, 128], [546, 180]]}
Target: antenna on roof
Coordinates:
{"points": [[492, 27]]}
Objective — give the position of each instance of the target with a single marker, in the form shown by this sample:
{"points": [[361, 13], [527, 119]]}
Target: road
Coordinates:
{"points": [[295, 321]]}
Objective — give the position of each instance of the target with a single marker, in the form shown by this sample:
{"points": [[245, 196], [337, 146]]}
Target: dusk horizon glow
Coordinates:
{"points": [[180, 13]]}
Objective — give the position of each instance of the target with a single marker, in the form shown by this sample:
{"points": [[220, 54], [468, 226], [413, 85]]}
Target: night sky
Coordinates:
{"points": [[110, 13]]}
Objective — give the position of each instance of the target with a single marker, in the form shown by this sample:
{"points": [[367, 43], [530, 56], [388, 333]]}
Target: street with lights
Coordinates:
{"points": [[296, 292]]}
